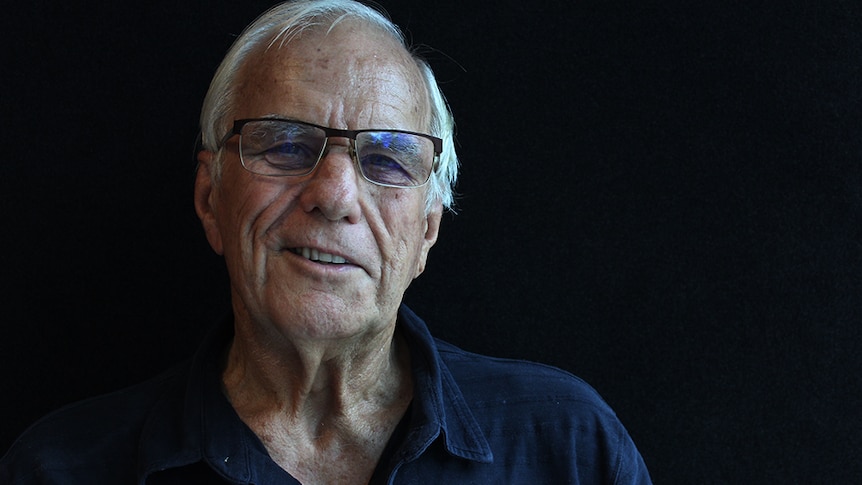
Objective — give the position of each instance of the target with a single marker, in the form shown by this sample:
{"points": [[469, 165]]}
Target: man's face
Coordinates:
{"points": [[266, 227]]}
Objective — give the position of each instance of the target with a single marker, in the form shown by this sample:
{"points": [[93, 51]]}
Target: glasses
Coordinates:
{"points": [[281, 147]]}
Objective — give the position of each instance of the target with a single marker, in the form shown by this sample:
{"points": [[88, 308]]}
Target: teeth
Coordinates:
{"points": [[315, 255]]}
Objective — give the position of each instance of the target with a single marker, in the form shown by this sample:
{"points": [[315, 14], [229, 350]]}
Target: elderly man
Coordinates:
{"points": [[327, 162]]}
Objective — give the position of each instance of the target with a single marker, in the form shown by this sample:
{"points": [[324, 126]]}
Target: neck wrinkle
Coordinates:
{"points": [[312, 390]]}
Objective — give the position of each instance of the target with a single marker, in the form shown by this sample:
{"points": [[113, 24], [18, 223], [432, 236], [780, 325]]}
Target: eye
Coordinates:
{"points": [[383, 168], [280, 151], [394, 158], [288, 149]]}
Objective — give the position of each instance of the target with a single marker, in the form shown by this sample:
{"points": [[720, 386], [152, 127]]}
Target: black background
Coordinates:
{"points": [[663, 199]]}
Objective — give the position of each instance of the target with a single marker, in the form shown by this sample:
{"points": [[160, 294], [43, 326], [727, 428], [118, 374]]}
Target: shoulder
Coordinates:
{"points": [[92, 436], [503, 380], [545, 416]]}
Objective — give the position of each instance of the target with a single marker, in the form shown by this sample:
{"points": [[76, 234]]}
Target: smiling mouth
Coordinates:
{"points": [[317, 256]]}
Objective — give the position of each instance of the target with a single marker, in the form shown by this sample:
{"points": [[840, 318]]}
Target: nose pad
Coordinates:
{"points": [[350, 148]]}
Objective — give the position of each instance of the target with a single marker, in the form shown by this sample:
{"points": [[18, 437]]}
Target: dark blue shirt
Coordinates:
{"points": [[473, 419]]}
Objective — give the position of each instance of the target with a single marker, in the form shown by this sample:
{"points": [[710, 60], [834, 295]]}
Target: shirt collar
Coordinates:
{"points": [[439, 406], [200, 424]]}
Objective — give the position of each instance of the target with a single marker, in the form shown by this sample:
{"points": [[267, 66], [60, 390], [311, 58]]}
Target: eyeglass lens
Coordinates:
{"points": [[277, 147]]}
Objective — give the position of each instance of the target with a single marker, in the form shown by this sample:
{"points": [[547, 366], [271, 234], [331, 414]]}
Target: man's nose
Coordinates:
{"points": [[333, 187]]}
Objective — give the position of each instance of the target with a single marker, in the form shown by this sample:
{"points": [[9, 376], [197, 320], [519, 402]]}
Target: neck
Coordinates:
{"points": [[315, 388]]}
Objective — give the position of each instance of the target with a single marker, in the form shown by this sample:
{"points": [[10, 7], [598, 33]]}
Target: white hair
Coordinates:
{"points": [[279, 25]]}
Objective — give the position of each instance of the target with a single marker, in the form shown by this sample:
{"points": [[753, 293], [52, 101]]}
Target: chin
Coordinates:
{"points": [[328, 321]]}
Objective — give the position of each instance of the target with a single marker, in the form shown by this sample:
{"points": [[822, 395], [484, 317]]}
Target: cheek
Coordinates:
{"points": [[406, 230], [250, 209]]}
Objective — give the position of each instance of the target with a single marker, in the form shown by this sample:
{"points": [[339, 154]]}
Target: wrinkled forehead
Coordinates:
{"points": [[351, 63]]}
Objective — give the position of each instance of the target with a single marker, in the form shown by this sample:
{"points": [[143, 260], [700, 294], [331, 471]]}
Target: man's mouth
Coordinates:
{"points": [[318, 256]]}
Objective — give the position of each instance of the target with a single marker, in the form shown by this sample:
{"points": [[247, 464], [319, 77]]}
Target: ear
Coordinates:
{"points": [[432, 230], [205, 195]]}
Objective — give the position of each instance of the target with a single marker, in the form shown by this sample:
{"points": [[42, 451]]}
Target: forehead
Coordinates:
{"points": [[350, 76]]}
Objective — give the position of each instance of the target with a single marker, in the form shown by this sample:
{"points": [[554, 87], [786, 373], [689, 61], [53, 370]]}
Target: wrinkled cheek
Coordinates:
{"points": [[397, 273], [246, 265]]}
